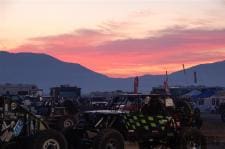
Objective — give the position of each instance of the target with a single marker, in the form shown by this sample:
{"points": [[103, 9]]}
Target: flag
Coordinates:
{"points": [[184, 69], [166, 76]]}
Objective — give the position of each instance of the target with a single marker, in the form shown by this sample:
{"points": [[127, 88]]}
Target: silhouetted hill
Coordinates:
{"points": [[212, 74], [47, 71]]}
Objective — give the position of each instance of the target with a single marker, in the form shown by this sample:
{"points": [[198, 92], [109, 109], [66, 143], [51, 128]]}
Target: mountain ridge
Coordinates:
{"points": [[47, 71]]}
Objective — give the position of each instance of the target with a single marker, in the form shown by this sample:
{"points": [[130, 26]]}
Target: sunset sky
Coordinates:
{"points": [[119, 38]]}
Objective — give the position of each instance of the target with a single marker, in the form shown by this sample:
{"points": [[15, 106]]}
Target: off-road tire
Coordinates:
{"points": [[108, 137], [42, 139], [192, 136], [74, 138]]}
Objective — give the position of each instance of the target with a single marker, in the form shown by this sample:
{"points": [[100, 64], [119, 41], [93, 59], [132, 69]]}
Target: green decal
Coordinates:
{"points": [[150, 118], [135, 117], [141, 115], [128, 124], [131, 120], [162, 121], [146, 127], [143, 121], [125, 117], [159, 116], [153, 125], [138, 124]]}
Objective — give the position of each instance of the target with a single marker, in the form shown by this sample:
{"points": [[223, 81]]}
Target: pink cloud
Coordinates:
{"points": [[77, 39], [99, 51]]}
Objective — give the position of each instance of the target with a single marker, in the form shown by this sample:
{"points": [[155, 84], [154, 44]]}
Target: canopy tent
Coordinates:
{"points": [[192, 94]]}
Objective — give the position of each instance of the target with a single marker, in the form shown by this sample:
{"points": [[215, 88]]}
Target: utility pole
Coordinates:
{"points": [[136, 84]]}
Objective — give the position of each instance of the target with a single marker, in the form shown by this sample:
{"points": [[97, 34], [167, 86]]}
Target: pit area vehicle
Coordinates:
{"points": [[98, 102], [160, 127], [134, 102], [127, 102], [59, 114], [21, 129]]}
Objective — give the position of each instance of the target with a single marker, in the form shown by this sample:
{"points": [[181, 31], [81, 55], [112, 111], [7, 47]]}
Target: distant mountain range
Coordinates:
{"points": [[46, 71]]}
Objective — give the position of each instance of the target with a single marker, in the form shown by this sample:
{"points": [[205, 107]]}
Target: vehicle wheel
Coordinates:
{"points": [[3, 146], [74, 138], [109, 139], [48, 139], [223, 116], [192, 139]]}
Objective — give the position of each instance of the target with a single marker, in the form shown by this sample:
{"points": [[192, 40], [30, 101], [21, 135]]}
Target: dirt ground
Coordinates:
{"points": [[213, 128]]}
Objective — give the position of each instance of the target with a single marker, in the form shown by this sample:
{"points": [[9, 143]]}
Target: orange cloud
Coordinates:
{"points": [[100, 51]]}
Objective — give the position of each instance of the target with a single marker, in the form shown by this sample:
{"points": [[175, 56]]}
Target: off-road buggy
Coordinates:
{"points": [[21, 129], [161, 127], [133, 103], [59, 114]]}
